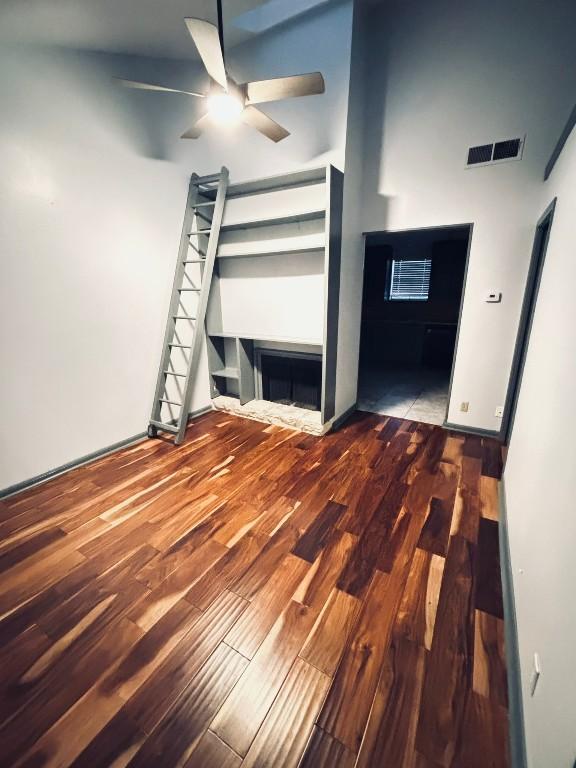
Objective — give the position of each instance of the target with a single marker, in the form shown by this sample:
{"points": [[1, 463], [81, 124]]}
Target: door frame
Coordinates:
{"points": [[470, 226], [529, 302]]}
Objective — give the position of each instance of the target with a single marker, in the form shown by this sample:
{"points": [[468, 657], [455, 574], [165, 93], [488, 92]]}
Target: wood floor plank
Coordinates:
{"points": [[491, 458], [257, 597], [150, 703], [178, 733], [489, 498], [241, 716], [489, 676], [466, 516], [257, 620], [448, 666], [323, 751], [282, 738], [391, 730], [62, 689], [417, 613], [309, 546], [226, 570], [211, 752], [488, 585], [357, 675], [329, 637], [483, 740]]}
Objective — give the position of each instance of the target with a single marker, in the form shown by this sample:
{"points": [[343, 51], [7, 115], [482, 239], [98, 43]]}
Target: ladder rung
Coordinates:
{"points": [[199, 232], [203, 205], [183, 317], [208, 179], [166, 427], [173, 373], [190, 289], [183, 346], [194, 261], [170, 402]]}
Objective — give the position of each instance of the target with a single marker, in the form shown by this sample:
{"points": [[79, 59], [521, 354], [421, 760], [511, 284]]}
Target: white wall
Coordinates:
{"points": [[89, 230], [539, 485], [92, 190], [351, 273], [441, 77]]}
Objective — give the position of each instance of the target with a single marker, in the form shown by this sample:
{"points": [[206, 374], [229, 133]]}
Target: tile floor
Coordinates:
{"points": [[419, 394]]}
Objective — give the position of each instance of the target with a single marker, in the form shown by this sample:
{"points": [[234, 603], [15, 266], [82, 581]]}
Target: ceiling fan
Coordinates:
{"points": [[228, 101]]}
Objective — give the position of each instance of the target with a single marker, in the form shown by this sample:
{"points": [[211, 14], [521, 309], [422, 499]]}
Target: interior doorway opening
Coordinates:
{"points": [[411, 305]]}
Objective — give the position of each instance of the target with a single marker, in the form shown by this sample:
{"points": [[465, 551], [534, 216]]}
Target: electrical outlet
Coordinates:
{"points": [[499, 412], [536, 672], [464, 407]]}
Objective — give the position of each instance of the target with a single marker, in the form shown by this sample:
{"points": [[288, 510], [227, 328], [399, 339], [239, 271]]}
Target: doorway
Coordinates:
{"points": [[539, 248], [412, 296]]}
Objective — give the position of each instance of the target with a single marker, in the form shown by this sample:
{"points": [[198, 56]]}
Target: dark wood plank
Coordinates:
{"points": [[491, 458], [448, 675], [313, 541], [488, 581], [391, 729]]}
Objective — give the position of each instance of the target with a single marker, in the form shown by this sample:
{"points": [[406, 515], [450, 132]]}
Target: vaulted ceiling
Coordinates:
{"points": [[138, 27]]}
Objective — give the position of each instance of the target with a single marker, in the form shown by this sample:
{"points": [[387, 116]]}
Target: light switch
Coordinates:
{"points": [[536, 672]]}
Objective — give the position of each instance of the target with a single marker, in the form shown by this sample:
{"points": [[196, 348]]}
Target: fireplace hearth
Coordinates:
{"points": [[291, 379]]}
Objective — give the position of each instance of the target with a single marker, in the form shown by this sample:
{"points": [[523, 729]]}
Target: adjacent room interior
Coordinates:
{"points": [[287, 330], [413, 284]]}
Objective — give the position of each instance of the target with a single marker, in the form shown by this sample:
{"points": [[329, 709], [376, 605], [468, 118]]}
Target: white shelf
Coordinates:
{"points": [[226, 373], [282, 181], [263, 221], [265, 337]]}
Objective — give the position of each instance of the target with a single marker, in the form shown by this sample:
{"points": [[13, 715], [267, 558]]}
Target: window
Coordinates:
{"points": [[409, 280]]}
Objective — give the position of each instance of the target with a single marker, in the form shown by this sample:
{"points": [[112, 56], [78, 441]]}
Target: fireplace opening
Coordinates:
{"points": [[292, 380]]}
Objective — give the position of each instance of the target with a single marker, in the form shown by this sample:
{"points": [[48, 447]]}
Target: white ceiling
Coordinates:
{"points": [[138, 27]]}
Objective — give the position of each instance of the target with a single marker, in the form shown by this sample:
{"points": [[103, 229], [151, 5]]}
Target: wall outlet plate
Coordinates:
{"points": [[499, 412], [464, 406]]}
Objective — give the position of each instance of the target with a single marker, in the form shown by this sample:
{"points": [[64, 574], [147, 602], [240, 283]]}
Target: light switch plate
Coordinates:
{"points": [[536, 672], [464, 407], [499, 412]]}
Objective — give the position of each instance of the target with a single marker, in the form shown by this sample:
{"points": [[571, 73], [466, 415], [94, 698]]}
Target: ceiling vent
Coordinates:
{"points": [[497, 152]]}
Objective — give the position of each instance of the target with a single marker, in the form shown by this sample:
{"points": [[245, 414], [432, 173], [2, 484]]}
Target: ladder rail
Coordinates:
{"points": [[208, 270], [174, 299]]}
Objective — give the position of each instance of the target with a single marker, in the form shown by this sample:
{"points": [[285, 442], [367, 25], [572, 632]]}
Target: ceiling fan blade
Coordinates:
{"points": [[198, 128], [270, 128], [152, 87], [278, 88], [207, 40]]}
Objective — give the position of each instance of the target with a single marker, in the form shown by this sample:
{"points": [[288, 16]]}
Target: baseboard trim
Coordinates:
{"points": [[45, 476], [517, 737], [472, 430], [338, 421]]}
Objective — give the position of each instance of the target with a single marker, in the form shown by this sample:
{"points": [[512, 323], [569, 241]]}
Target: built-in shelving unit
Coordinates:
{"points": [[277, 278]]}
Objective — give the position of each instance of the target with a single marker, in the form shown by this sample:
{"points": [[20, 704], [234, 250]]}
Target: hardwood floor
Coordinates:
{"points": [[257, 597]]}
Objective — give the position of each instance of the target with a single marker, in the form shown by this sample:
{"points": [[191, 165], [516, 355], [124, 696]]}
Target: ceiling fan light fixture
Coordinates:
{"points": [[224, 107]]}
